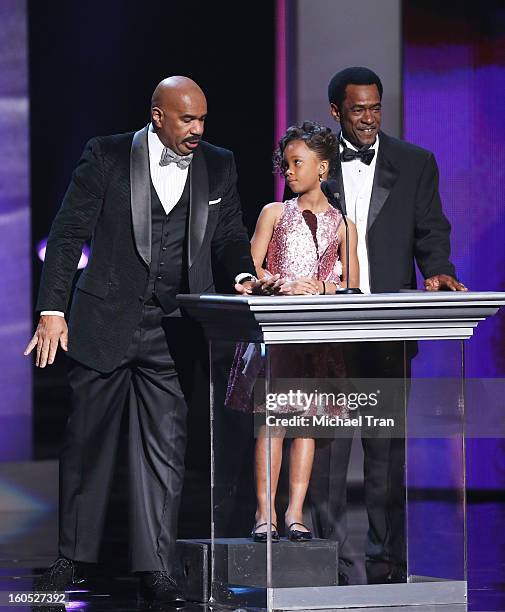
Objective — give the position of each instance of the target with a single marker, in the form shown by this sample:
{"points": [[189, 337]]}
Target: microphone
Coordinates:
{"points": [[330, 190]]}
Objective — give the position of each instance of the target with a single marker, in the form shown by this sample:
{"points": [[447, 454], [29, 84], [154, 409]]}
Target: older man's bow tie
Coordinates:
{"points": [[169, 157], [350, 154]]}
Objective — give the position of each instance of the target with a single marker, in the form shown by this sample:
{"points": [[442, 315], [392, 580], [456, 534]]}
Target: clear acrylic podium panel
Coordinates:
{"points": [[405, 524]]}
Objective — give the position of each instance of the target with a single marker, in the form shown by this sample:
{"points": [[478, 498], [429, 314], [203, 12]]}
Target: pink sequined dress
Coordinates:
{"points": [[303, 244]]}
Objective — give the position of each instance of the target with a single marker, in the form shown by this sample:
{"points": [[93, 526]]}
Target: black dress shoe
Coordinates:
{"points": [[384, 572], [62, 574], [398, 575], [160, 587], [295, 535], [262, 535]]}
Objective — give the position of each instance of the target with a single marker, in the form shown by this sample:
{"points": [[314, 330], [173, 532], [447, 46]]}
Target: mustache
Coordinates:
{"points": [[192, 139]]}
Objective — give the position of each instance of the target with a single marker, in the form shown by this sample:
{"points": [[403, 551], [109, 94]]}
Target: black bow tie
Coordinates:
{"points": [[350, 154]]}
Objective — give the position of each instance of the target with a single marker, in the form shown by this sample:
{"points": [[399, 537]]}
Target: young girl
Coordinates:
{"points": [[302, 240]]}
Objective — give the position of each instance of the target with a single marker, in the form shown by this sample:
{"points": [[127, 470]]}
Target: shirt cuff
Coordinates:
{"points": [[56, 313], [244, 276]]}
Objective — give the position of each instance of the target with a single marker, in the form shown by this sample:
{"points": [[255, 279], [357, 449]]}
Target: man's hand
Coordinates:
{"points": [[51, 331], [300, 286], [268, 285], [443, 281]]}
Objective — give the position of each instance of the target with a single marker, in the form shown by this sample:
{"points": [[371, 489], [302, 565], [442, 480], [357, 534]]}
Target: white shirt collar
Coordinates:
{"points": [[375, 145], [155, 145]]}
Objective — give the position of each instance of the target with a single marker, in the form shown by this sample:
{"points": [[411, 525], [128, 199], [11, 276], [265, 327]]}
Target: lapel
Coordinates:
{"points": [[384, 179], [140, 194], [198, 203]]}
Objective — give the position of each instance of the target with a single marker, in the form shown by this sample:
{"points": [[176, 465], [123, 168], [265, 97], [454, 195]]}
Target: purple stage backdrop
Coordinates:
{"points": [[15, 247], [454, 83]]}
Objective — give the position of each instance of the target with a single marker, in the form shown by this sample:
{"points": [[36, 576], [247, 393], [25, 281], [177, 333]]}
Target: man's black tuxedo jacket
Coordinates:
{"points": [[109, 201], [405, 218]]}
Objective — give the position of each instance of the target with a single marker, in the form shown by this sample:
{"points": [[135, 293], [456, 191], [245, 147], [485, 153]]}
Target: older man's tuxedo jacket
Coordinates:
{"points": [[109, 201]]}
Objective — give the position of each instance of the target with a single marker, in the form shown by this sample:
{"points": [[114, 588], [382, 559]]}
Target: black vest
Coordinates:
{"points": [[168, 274]]}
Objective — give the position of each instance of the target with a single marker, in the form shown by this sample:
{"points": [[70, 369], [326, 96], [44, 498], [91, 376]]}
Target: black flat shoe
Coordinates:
{"points": [[385, 572], [160, 587], [262, 537], [62, 574], [294, 535]]}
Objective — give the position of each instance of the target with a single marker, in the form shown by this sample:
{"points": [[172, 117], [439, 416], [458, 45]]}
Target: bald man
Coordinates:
{"points": [[159, 205]]}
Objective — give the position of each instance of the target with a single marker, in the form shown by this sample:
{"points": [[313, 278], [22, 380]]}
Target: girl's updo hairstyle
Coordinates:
{"points": [[317, 137]]}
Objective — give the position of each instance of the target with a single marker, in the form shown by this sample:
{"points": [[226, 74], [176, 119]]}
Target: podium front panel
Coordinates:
{"points": [[238, 564], [435, 467], [358, 443]]}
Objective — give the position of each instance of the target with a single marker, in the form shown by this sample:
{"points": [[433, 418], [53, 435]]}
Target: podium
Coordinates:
{"points": [[388, 368]]}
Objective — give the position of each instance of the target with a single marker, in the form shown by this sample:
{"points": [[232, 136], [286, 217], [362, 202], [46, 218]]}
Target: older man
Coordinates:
{"points": [[159, 205], [389, 188]]}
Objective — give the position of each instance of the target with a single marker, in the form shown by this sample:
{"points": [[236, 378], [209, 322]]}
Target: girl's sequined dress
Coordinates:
{"points": [[303, 244]]}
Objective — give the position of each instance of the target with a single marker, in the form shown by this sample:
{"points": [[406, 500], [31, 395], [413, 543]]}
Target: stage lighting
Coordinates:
{"points": [[41, 253]]}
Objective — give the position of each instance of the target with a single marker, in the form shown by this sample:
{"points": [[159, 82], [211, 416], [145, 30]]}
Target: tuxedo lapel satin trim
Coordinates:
{"points": [[384, 179], [198, 204], [140, 192]]}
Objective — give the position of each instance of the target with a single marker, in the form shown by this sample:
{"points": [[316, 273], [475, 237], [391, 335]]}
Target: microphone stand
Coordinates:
{"points": [[333, 198]]}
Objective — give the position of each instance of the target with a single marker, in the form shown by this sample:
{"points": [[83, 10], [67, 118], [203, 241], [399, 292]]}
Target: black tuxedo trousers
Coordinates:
{"points": [[383, 470], [146, 384]]}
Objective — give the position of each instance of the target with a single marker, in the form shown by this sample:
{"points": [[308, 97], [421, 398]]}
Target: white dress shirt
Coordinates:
{"points": [[358, 184], [168, 180]]}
